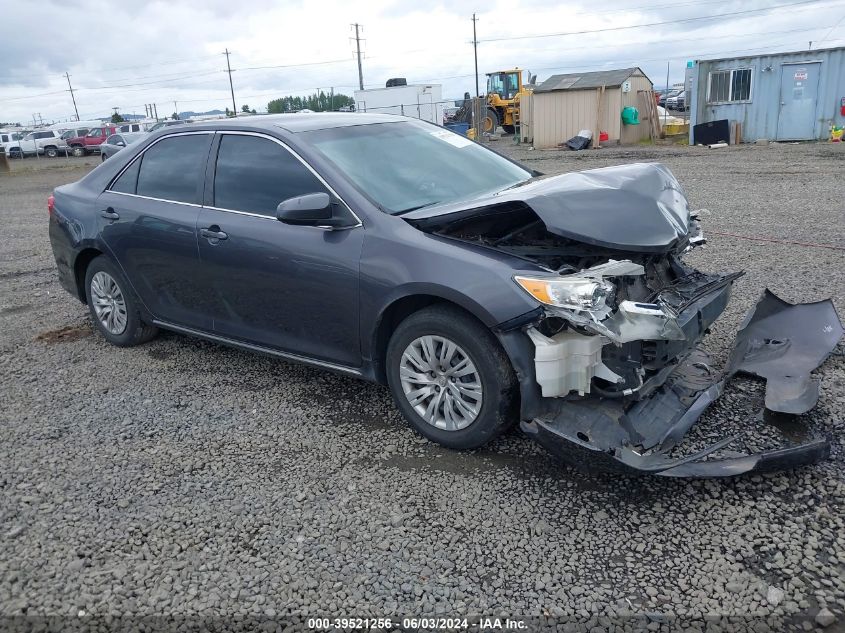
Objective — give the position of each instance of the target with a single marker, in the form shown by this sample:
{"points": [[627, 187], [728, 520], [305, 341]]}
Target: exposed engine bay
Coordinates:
{"points": [[610, 364]]}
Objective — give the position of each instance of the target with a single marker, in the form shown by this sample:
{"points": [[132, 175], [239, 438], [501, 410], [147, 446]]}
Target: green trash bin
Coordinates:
{"points": [[630, 116]]}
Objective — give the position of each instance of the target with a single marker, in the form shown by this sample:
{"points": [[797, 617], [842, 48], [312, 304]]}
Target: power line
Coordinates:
{"points": [[651, 24], [832, 28]]}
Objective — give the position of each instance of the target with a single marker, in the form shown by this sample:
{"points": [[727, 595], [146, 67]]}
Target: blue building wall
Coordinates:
{"points": [[759, 116]]}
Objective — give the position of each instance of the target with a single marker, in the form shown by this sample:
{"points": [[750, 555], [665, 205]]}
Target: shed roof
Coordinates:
{"points": [[580, 81]]}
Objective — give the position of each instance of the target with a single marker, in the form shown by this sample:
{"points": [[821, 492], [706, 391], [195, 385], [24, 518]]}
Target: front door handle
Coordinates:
{"points": [[109, 214], [213, 233]]}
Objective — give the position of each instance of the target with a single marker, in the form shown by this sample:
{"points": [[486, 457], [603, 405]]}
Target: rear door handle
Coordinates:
{"points": [[213, 233], [109, 214]]}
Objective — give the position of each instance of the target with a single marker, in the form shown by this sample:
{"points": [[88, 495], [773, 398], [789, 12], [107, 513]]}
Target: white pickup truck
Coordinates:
{"points": [[47, 142]]}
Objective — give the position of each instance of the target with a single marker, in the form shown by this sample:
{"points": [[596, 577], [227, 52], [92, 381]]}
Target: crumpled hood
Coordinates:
{"points": [[639, 207]]}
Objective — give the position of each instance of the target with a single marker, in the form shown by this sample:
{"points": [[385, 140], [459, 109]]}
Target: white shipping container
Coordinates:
{"points": [[420, 101]]}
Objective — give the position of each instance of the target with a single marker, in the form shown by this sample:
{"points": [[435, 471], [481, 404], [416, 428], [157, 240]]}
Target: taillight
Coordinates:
{"points": [[51, 204]]}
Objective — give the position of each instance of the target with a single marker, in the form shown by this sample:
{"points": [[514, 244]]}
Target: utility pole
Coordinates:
{"points": [[231, 87], [155, 111], [176, 109], [667, 92], [67, 76], [475, 52], [358, 49]]}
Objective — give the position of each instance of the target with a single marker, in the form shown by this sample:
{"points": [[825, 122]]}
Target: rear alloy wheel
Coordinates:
{"points": [[78, 151], [52, 152], [113, 306], [450, 378]]}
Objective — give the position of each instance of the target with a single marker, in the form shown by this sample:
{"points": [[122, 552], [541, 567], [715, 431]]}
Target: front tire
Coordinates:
{"points": [[450, 378], [78, 151], [113, 306], [490, 121]]}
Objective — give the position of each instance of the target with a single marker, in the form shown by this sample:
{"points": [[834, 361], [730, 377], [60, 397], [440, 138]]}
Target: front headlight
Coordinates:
{"points": [[573, 293]]}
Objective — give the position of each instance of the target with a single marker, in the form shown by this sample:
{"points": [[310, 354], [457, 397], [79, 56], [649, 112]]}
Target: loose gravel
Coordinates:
{"points": [[182, 478]]}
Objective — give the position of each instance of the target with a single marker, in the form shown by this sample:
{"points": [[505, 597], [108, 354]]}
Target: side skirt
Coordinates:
{"points": [[343, 369]]}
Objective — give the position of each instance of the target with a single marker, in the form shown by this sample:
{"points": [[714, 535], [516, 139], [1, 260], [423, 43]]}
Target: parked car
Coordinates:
{"points": [[84, 145], [676, 101], [481, 296], [46, 142], [8, 137], [666, 96], [131, 127], [75, 133], [117, 142], [169, 123]]}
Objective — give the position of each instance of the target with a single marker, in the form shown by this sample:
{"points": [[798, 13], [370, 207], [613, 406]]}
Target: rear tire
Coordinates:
{"points": [[475, 368], [51, 152], [509, 129], [78, 151], [113, 306]]}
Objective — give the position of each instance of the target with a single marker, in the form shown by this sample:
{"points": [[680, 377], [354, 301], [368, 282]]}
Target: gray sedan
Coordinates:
{"points": [[117, 142], [482, 293]]}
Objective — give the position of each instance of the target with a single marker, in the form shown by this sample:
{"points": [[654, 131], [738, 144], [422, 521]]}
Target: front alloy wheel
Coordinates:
{"points": [[441, 382], [109, 303], [450, 377]]}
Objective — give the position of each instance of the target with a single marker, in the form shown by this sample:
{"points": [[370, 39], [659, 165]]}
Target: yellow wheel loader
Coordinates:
{"points": [[504, 90]]}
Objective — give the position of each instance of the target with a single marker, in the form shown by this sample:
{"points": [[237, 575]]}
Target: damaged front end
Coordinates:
{"points": [[609, 364]]}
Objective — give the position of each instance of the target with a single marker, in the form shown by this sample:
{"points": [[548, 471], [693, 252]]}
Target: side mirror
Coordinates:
{"points": [[312, 209], [120, 144]]}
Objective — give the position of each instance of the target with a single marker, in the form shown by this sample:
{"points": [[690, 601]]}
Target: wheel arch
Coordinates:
{"points": [[401, 308], [80, 267]]}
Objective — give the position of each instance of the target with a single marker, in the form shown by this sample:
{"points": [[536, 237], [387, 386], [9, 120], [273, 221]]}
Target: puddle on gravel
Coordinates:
{"points": [[26, 307], [64, 334]]}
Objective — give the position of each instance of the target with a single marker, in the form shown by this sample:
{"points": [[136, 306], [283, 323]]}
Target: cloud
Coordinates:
{"points": [[125, 55]]}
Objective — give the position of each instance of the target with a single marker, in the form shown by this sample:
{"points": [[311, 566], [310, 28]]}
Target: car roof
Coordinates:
{"points": [[299, 122]]}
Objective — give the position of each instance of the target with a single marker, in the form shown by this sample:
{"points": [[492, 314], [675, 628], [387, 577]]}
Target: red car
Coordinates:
{"points": [[84, 145]]}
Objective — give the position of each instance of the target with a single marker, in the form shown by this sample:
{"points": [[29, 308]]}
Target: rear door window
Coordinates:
{"points": [[255, 174], [172, 169]]}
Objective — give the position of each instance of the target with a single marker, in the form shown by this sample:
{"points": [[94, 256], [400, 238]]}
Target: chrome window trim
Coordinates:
{"points": [[138, 157], [236, 211], [135, 195], [304, 163]]}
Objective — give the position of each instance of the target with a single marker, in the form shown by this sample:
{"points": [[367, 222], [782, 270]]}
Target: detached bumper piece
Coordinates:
{"points": [[778, 341]]}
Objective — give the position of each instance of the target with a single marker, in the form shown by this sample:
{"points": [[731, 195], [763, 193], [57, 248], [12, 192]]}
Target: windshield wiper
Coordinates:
{"points": [[421, 206]]}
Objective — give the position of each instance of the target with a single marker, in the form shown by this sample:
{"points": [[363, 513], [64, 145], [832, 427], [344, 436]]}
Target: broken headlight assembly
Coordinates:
{"points": [[573, 292]]}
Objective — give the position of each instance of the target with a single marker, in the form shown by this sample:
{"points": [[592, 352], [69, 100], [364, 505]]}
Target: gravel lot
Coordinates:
{"points": [[181, 477]]}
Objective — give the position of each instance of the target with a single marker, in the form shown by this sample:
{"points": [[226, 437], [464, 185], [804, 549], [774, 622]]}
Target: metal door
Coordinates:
{"points": [[799, 86]]}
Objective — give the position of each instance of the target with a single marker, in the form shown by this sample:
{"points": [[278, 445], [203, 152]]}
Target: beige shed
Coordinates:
{"points": [[563, 105]]}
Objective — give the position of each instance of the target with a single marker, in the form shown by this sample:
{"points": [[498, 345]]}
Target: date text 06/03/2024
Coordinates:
{"points": [[423, 623]]}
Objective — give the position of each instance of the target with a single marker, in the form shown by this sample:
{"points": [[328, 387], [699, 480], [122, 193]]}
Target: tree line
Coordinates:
{"points": [[318, 102]]}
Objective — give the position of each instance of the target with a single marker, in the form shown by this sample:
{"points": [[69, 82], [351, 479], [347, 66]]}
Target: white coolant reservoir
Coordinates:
{"points": [[565, 362]]}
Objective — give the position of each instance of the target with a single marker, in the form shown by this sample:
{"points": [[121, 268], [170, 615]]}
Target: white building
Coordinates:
{"points": [[420, 101]]}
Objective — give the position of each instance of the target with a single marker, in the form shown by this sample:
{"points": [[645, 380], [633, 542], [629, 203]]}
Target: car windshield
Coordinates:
{"points": [[408, 165]]}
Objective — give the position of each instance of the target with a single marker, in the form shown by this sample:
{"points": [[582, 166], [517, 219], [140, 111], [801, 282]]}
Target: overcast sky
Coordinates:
{"points": [[127, 54]]}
